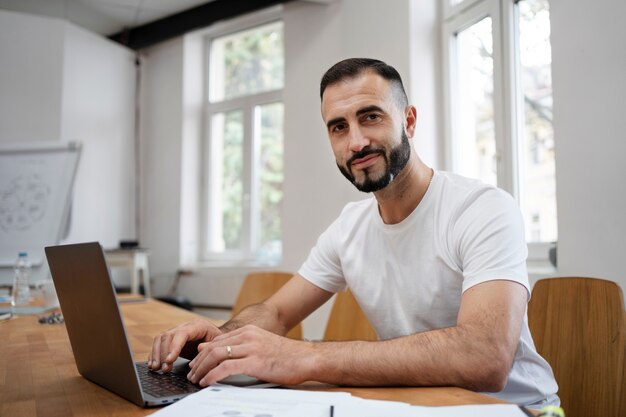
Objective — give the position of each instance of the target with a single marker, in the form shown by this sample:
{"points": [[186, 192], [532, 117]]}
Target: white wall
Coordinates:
{"points": [[59, 82], [426, 76], [30, 104], [161, 143], [589, 76], [98, 110]]}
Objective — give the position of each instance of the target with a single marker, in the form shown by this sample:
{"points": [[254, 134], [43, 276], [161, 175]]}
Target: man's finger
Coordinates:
{"points": [[217, 349], [154, 361], [176, 345], [210, 357], [164, 350], [223, 370]]}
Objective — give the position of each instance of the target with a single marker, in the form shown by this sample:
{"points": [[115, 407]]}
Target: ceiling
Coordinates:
{"points": [[105, 17]]}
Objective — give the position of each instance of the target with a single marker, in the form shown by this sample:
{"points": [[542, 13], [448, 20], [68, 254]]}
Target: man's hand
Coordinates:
{"points": [[182, 341], [255, 352], [289, 306]]}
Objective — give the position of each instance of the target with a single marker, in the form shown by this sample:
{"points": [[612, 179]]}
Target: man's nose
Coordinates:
{"points": [[357, 140]]}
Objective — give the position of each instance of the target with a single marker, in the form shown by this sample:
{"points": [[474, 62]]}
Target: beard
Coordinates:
{"points": [[394, 163]]}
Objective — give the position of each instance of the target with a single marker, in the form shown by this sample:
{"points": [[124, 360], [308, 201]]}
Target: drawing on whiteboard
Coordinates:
{"points": [[23, 202]]}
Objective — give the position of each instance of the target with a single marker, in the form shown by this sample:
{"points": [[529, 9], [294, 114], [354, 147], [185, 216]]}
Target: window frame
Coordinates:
{"points": [[450, 10], [504, 107], [507, 95], [248, 104]]}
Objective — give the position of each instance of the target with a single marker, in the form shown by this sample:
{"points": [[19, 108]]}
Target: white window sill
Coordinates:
{"points": [[233, 264], [540, 268]]}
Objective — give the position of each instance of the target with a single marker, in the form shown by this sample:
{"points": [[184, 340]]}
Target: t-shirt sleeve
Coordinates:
{"points": [[323, 265], [491, 243]]}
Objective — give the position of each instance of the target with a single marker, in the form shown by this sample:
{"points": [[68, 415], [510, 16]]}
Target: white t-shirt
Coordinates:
{"points": [[409, 277]]}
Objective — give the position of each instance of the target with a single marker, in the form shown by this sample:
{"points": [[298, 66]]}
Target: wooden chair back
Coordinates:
{"points": [[258, 287], [347, 321], [579, 327]]}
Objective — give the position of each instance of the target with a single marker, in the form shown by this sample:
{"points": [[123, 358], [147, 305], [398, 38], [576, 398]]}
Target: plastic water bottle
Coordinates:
{"points": [[20, 295]]}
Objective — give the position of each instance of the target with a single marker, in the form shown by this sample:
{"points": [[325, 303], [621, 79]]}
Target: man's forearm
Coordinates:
{"points": [[476, 354], [261, 315], [459, 356]]}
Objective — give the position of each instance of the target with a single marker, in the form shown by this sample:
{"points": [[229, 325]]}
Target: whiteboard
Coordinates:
{"points": [[36, 182]]}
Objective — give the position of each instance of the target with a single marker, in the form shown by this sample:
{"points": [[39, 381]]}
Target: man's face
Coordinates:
{"points": [[366, 131]]}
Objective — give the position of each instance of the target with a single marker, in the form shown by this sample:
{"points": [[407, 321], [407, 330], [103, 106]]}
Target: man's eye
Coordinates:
{"points": [[372, 117], [338, 127]]}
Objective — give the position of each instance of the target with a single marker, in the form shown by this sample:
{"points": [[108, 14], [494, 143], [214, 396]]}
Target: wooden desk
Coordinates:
{"points": [[38, 376]]}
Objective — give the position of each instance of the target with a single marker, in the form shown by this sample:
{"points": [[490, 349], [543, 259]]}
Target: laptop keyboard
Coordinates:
{"points": [[163, 385]]}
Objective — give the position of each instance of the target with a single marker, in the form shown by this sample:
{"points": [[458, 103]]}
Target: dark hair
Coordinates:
{"points": [[352, 67]]}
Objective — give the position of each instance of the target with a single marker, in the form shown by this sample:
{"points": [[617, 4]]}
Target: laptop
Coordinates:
{"points": [[98, 336]]}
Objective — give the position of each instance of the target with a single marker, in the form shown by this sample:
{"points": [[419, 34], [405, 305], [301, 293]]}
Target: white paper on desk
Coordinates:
{"points": [[357, 407], [221, 400], [482, 410], [365, 409]]}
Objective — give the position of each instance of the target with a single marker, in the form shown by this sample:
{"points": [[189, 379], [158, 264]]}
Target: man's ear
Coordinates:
{"points": [[410, 120]]}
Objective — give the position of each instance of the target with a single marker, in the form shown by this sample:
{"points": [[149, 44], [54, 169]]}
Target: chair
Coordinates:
{"points": [[579, 327], [347, 321], [258, 287]]}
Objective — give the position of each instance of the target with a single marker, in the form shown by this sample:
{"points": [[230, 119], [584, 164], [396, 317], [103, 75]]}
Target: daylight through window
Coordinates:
{"points": [[244, 163], [499, 103]]}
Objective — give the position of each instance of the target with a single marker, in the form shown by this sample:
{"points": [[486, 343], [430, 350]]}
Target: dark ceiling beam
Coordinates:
{"points": [[183, 22]]}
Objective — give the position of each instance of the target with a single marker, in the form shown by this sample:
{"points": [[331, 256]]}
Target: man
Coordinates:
{"points": [[435, 260]]}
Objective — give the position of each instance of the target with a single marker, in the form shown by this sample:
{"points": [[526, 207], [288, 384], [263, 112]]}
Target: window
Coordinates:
{"points": [[244, 145], [537, 170], [499, 104], [475, 145]]}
